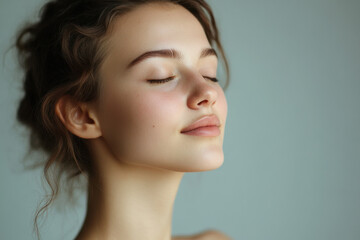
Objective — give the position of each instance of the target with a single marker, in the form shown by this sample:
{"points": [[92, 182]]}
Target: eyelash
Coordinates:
{"points": [[158, 81]]}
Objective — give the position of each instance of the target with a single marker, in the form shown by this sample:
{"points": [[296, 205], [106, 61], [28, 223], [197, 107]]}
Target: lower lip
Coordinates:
{"points": [[204, 131]]}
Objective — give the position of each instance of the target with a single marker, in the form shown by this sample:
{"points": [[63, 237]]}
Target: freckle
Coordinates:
{"points": [[153, 126]]}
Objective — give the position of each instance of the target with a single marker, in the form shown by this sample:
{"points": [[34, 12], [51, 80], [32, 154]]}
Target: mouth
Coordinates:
{"points": [[205, 126], [210, 131]]}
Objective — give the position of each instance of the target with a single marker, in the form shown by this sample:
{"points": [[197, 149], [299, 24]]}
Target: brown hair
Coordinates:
{"points": [[61, 55]]}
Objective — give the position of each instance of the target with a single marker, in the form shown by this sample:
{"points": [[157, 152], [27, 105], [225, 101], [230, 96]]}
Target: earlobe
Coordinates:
{"points": [[79, 118]]}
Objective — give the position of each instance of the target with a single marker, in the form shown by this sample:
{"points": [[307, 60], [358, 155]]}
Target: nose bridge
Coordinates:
{"points": [[202, 92]]}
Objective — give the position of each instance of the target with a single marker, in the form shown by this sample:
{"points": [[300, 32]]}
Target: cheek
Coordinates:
{"points": [[222, 106], [148, 111], [140, 120]]}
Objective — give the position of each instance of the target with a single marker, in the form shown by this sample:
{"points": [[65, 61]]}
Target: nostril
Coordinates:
{"points": [[206, 101]]}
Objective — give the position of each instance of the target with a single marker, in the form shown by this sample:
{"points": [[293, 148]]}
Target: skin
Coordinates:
{"points": [[133, 129]]}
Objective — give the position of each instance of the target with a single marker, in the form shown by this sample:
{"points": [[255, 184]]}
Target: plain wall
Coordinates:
{"points": [[292, 140]]}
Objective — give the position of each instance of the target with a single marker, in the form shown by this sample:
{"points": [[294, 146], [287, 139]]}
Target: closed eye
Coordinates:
{"points": [[164, 80], [212, 79], [161, 80]]}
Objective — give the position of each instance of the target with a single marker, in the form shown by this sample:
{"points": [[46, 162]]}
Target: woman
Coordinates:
{"points": [[125, 93]]}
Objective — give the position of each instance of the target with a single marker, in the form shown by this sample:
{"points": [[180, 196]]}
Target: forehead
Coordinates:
{"points": [[155, 26]]}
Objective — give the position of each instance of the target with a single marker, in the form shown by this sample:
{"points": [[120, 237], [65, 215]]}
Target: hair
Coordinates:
{"points": [[61, 54]]}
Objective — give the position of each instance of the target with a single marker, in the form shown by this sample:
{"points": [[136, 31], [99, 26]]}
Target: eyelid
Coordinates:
{"points": [[161, 80], [164, 80], [214, 79]]}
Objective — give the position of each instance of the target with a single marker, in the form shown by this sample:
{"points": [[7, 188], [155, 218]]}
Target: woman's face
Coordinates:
{"points": [[141, 120]]}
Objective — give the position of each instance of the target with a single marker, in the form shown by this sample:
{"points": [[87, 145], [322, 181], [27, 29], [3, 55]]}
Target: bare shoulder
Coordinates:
{"points": [[206, 235]]}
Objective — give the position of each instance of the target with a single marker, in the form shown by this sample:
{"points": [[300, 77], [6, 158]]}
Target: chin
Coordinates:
{"points": [[211, 162], [205, 162], [196, 159]]}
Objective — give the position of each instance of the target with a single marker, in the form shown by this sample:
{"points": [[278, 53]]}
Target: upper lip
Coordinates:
{"points": [[204, 121]]}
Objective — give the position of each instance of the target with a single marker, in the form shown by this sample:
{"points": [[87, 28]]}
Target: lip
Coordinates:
{"points": [[205, 126]]}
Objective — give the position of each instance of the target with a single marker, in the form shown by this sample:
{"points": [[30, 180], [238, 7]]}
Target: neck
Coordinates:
{"points": [[130, 202]]}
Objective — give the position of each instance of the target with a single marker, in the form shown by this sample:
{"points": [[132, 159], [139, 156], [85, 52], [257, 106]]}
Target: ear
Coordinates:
{"points": [[79, 118]]}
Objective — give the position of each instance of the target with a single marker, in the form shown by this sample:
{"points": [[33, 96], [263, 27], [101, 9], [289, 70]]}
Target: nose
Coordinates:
{"points": [[203, 93]]}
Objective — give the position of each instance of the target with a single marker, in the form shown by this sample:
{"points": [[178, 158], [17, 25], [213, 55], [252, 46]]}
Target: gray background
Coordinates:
{"points": [[292, 141]]}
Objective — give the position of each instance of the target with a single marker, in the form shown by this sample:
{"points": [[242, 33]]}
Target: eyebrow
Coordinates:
{"points": [[169, 53]]}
